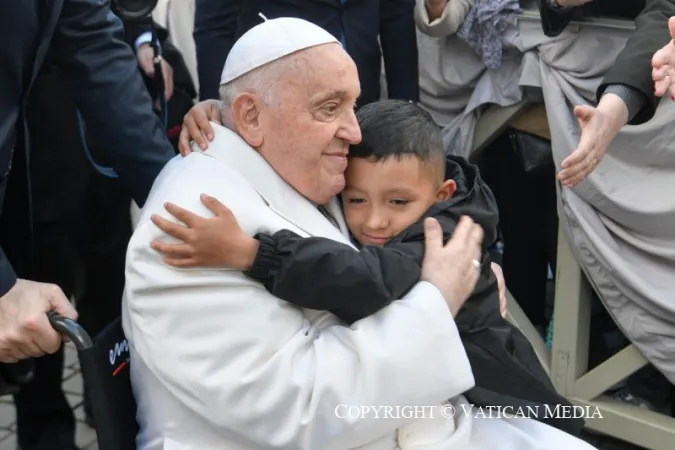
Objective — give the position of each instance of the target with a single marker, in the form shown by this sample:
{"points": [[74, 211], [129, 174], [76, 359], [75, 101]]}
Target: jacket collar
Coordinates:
{"points": [[282, 199]]}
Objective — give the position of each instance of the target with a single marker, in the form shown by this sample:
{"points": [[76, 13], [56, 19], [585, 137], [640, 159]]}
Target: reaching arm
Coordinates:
{"points": [[634, 100], [323, 274], [89, 46]]}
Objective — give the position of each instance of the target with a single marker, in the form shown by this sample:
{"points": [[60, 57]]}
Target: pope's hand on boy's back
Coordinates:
{"points": [[451, 267]]}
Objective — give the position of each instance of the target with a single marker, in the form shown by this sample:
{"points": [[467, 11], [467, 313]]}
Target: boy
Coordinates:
{"points": [[397, 176]]}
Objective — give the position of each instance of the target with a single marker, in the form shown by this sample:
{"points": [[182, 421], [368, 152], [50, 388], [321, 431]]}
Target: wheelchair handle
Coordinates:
{"points": [[71, 329]]}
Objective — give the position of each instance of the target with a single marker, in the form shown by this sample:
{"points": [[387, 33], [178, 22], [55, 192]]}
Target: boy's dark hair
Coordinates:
{"points": [[397, 128]]}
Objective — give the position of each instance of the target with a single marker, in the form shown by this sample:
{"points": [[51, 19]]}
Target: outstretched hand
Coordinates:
{"points": [[599, 126], [663, 66], [590, 150]]}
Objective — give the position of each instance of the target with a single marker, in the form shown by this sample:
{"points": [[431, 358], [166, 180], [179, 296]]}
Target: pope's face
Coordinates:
{"points": [[308, 132]]}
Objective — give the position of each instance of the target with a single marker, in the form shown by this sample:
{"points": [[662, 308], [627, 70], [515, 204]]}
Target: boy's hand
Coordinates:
{"points": [[496, 268], [214, 242], [196, 125]]}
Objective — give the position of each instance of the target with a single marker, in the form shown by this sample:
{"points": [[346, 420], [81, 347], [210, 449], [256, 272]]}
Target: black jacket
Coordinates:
{"points": [[633, 65], [322, 274], [85, 40], [358, 23]]}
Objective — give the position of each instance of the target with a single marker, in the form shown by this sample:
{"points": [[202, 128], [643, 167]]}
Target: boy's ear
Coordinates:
{"points": [[446, 190]]}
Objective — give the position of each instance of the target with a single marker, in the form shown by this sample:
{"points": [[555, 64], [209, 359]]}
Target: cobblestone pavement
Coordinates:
{"points": [[86, 437]]}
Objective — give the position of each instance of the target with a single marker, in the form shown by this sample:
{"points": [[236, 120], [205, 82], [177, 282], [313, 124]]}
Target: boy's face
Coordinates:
{"points": [[381, 199]]}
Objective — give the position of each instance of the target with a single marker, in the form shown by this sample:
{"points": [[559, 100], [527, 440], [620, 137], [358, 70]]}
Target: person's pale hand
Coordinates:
{"points": [[599, 126], [145, 56], [25, 330], [167, 73], [499, 274], [435, 8], [591, 148], [215, 242], [196, 125], [436, 4], [663, 66], [450, 267]]}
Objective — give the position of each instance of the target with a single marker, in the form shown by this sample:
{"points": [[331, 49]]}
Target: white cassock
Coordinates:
{"points": [[219, 363]]}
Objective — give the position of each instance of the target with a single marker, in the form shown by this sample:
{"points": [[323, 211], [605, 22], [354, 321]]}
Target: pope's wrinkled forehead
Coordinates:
{"points": [[332, 74]]}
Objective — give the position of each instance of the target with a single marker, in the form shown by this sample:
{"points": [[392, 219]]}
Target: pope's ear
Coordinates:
{"points": [[246, 118]]}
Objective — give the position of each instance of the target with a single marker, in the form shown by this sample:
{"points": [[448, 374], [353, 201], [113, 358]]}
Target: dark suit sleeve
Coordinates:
{"points": [[89, 46], [7, 275], [399, 48], [322, 274], [633, 65]]}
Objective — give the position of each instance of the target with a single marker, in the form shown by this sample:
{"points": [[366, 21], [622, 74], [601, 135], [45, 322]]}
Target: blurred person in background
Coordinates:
{"points": [[360, 25], [178, 87], [215, 27], [178, 18]]}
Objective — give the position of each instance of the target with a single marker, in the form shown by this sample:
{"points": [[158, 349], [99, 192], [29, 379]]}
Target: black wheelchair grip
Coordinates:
{"points": [[71, 329]]}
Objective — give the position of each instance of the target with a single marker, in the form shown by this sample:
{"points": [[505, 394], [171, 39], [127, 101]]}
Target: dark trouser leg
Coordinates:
{"points": [[214, 34], [102, 243], [41, 406], [528, 221], [104, 234]]}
